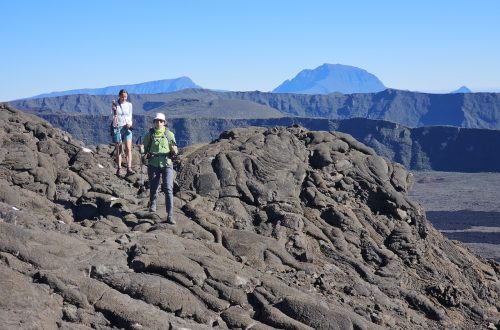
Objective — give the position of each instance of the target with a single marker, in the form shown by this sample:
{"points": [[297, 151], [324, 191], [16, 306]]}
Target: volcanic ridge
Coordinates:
{"points": [[276, 228]]}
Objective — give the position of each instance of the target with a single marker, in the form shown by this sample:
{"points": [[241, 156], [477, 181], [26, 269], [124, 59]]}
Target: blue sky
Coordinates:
{"points": [[433, 46]]}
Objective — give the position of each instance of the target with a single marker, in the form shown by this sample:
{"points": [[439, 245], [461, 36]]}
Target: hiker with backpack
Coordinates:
{"points": [[121, 130], [160, 150]]}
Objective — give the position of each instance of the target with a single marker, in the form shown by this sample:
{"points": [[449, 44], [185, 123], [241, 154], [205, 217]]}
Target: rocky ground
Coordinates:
{"points": [[276, 228], [463, 206]]}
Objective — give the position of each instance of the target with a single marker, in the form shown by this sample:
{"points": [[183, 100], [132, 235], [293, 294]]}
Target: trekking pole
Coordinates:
{"points": [[141, 152]]}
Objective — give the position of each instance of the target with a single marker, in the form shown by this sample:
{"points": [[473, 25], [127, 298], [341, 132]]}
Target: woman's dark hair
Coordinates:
{"points": [[122, 91]]}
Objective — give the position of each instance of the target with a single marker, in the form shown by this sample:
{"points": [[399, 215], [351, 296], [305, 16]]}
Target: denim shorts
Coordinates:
{"points": [[121, 134]]}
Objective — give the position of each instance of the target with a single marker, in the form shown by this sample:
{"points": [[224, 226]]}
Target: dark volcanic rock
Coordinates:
{"points": [[277, 228]]}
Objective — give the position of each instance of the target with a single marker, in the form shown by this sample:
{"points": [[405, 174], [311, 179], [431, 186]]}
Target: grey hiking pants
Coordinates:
{"points": [[167, 174]]}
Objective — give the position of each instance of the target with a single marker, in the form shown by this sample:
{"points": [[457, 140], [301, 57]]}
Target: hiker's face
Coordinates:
{"points": [[123, 97], [159, 123]]}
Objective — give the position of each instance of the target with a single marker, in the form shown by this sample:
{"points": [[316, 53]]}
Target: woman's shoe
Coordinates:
{"points": [[118, 171], [130, 171]]}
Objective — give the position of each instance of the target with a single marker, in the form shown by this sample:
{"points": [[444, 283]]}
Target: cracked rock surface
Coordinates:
{"points": [[276, 228]]}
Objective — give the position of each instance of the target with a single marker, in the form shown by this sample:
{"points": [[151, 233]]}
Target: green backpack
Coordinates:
{"points": [[151, 132]]}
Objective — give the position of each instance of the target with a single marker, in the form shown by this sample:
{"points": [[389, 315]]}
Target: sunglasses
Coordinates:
{"points": [[159, 120]]}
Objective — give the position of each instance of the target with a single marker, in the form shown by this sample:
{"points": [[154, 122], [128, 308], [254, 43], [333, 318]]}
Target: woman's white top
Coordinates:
{"points": [[124, 113]]}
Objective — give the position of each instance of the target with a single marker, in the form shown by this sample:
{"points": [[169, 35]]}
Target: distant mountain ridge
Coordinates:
{"points": [[330, 78], [471, 110], [325, 79], [151, 87]]}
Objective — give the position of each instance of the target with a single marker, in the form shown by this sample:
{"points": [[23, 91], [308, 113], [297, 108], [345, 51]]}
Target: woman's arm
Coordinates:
{"points": [[129, 116]]}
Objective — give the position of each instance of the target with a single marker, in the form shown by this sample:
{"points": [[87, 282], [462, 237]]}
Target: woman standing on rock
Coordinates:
{"points": [[160, 149], [122, 135]]}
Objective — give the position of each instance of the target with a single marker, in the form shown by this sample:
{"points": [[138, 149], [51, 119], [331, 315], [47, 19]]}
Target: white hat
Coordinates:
{"points": [[160, 116]]}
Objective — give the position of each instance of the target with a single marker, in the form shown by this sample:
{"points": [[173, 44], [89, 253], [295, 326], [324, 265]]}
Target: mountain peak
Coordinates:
{"points": [[329, 78], [150, 87], [463, 89]]}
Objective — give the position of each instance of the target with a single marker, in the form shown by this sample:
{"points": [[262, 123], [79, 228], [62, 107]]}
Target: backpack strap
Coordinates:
{"points": [[167, 135], [150, 132]]}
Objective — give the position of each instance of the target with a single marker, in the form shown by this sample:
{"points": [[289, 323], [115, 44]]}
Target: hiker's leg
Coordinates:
{"points": [[126, 136], [168, 183], [118, 155], [128, 150], [154, 181], [118, 148]]}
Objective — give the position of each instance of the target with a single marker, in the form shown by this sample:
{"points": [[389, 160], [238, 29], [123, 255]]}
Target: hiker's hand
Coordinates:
{"points": [[172, 155], [176, 163]]}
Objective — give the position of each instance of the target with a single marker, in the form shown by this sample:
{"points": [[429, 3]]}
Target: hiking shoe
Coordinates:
{"points": [[152, 206], [130, 171], [171, 221], [118, 171]]}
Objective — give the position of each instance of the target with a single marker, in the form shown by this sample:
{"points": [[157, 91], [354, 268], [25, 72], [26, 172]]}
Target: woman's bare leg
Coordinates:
{"points": [[128, 150], [118, 155]]}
